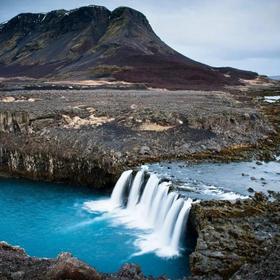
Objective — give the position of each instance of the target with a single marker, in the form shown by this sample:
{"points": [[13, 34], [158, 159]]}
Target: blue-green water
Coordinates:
{"points": [[46, 219]]}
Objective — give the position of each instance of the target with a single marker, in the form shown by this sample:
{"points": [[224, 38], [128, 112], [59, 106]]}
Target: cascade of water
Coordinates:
{"points": [[155, 208], [160, 197], [170, 220], [149, 193], [134, 193], [166, 205], [117, 197], [181, 223]]}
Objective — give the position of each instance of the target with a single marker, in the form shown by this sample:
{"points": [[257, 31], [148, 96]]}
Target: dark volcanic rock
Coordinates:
{"points": [[67, 267], [93, 42], [264, 267], [236, 239], [15, 264]]}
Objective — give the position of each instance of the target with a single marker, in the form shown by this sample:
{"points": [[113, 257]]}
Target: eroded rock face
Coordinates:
{"points": [[14, 121], [233, 234], [43, 164], [15, 264], [90, 137]]}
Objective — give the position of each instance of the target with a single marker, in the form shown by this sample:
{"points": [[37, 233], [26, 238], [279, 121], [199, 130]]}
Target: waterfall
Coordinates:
{"points": [[181, 224], [117, 197], [166, 207], [170, 221], [134, 194], [151, 207], [160, 197], [148, 194]]}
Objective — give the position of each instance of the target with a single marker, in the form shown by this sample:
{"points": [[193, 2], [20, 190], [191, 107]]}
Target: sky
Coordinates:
{"points": [[243, 34]]}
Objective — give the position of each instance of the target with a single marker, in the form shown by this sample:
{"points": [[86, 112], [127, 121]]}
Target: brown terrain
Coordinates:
{"points": [[236, 240]]}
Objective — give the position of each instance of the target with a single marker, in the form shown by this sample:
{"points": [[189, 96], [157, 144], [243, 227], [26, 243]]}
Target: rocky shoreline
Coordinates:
{"points": [[15, 264]]}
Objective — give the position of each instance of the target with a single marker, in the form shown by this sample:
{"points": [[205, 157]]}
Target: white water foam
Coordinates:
{"points": [[272, 99], [134, 194], [181, 224], [117, 197], [221, 194]]}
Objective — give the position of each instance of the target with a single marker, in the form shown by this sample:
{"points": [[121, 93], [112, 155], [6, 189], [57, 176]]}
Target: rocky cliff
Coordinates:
{"points": [[235, 240], [90, 137], [93, 42]]}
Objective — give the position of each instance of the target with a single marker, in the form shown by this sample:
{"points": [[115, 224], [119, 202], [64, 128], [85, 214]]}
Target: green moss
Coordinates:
{"points": [[115, 29]]}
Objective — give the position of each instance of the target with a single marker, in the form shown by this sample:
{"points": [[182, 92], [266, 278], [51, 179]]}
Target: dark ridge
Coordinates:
{"points": [[22, 23], [92, 42], [243, 74], [131, 14]]}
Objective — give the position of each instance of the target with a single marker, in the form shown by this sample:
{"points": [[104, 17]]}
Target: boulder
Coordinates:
{"points": [[68, 267]]}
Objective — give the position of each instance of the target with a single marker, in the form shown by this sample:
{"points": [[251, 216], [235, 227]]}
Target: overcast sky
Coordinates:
{"points": [[239, 33]]}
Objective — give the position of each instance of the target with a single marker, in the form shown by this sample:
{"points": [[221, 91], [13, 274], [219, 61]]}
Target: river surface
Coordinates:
{"points": [[221, 180], [46, 219]]}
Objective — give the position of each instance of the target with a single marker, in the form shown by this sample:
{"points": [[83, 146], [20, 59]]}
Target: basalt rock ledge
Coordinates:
{"points": [[236, 240], [90, 137]]}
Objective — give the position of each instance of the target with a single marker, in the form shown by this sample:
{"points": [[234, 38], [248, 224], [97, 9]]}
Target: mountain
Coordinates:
{"points": [[92, 42]]}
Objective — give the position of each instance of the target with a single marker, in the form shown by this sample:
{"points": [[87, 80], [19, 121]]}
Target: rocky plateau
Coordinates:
{"points": [[90, 136]]}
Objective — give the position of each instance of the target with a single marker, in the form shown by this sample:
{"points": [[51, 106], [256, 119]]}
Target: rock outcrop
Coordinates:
{"points": [[15, 264], [236, 240], [92, 42], [14, 121]]}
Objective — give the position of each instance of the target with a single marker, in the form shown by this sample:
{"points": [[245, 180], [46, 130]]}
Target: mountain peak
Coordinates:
{"points": [[131, 14], [92, 41], [127, 12]]}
